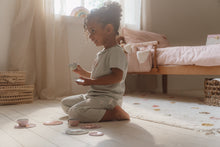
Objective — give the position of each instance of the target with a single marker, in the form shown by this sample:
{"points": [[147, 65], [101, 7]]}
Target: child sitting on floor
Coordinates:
{"points": [[107, 78]]}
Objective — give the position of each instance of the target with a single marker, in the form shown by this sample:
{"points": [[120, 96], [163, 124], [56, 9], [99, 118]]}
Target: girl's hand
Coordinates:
{"points": [[78, 70], [84, 81]]}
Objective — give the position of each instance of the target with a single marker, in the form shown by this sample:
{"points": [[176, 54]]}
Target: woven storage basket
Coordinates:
{"points": [[12, 78], [212, 91], [17, 94]]}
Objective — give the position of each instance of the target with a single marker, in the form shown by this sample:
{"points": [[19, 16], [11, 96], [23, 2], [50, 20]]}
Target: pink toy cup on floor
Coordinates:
{"points": [[73, 122], [22, 122]]}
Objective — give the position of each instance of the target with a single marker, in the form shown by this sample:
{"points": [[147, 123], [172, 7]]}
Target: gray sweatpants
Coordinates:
{"points": [[87, 109]]}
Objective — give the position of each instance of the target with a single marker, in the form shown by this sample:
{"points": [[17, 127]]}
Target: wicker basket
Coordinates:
{"points": [[16, 94], [12, 78], [212, 91]]}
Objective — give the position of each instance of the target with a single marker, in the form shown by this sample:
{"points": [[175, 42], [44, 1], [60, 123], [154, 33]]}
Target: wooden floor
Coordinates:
{"points": [[133, 133]]}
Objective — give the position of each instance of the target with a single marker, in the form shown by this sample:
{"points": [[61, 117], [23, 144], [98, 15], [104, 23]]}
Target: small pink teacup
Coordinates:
{"points": [[73, 122], [22, 122]]}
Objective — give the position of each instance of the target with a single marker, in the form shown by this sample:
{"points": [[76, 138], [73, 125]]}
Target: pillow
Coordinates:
{"points": [[133, 36], [142, 56], [131, 47]]}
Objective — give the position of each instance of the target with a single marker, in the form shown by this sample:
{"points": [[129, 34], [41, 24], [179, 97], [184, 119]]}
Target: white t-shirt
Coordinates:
{"points": [[106, 59]]}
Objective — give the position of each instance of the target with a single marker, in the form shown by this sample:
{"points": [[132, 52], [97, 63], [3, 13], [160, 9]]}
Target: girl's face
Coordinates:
{"points": [[97, 33]]}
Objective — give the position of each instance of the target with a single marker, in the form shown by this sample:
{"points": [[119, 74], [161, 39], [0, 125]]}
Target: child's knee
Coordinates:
{"points": [[63, 101], [65, 108], [65, 105], [77, 113]]}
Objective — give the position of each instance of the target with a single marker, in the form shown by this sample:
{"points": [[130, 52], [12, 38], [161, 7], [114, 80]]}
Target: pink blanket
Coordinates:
{"points": [[180, 55]]}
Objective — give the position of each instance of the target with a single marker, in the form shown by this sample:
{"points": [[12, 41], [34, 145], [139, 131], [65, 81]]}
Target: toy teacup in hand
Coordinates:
{"points": [[73, 66]]}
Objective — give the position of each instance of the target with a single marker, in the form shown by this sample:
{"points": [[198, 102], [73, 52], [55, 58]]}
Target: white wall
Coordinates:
{"points": [[6, 15], [184, 22]]}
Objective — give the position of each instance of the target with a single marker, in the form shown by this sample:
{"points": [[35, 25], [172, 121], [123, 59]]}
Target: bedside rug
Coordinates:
{"points": [[182, 112]]}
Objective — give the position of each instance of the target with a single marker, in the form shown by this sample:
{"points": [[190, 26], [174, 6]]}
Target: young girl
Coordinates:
{"points": [[107, 78]]}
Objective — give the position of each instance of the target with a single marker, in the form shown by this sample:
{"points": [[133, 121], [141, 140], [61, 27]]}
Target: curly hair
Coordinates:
{"points": [[109, 13]]}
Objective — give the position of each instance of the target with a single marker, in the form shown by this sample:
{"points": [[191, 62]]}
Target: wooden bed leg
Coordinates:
{"points": [[164, 84]]}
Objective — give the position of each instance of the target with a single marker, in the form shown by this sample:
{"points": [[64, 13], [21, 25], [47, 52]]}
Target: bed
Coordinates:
{"points": [[149, 58]]}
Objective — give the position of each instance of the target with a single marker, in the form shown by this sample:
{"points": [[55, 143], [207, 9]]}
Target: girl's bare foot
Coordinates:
{"points": [[116, 114]]}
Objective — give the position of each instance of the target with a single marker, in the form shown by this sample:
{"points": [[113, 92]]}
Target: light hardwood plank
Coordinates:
{"points": [[138, 133], [24, 137], [49, 133], [8, 140]]}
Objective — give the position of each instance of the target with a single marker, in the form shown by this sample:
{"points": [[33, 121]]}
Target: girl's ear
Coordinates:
{"points": [[109, 28]]}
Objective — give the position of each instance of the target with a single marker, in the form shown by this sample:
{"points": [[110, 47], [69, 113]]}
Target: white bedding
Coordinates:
{"points": [[190, 55], [207, 55]]}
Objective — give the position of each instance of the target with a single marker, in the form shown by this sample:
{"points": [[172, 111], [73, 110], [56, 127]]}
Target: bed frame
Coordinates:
{"points": [[176, 69]]}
